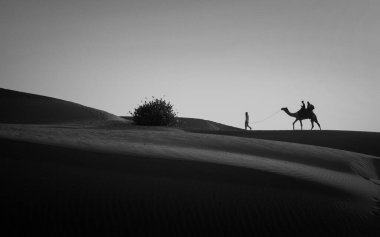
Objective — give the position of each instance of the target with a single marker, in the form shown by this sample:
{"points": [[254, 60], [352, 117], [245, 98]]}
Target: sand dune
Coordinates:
{"points": [[117, 179], [356, 141], [193, 124], [199, 125], [176, 182], [20, 107]]}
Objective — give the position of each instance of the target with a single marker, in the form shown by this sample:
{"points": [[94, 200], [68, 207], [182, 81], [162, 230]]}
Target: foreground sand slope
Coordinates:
{"points": [[143, 181]]}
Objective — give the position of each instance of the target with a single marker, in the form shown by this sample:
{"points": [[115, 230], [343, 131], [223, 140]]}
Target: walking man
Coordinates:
{"points": [[247, 121]]}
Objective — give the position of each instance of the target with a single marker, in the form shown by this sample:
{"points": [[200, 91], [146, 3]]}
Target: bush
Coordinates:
{"points": [[157, 112]]}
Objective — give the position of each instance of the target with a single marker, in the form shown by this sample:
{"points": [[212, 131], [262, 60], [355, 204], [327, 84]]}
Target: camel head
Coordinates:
{"points": [[284, 108]]}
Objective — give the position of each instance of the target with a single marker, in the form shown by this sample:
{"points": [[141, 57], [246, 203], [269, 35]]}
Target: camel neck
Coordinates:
{"points": [[290, 114]]}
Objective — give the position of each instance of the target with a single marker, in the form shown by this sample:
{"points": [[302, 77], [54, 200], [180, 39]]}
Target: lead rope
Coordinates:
{"points": [[270, 116]]}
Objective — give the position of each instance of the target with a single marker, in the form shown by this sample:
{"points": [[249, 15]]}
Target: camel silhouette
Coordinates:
{"points": [[301, 115]]}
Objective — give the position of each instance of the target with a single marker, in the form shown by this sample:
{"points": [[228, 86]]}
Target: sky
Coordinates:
{"points": [[212, 59]]}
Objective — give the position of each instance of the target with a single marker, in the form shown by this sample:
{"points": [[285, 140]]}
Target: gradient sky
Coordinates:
{"points": [[213, 59]]}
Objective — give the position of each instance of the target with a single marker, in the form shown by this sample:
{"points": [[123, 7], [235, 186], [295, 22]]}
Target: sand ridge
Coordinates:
{"points": [[25, 108]]}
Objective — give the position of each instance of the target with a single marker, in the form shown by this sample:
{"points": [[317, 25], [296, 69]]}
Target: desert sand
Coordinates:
{"points": [[70, 170]]}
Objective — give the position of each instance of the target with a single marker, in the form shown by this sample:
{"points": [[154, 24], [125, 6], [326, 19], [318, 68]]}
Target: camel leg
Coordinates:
{"points": [[294, 123], [318, 125], [312, 124], [301, 125], [316, 120]]}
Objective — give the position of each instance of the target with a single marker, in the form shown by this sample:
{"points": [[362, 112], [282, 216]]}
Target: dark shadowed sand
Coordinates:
{"points": [[91, 173]]}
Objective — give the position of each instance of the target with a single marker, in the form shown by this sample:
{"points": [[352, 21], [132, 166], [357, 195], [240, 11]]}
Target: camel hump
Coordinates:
{"points": [[305, 113]]}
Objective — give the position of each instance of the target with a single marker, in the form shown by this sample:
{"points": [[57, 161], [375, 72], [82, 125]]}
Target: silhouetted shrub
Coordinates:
{"points": [[157, 112]]}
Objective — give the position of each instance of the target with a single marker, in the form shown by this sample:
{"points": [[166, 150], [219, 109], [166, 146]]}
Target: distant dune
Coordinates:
{"points": [[199, 125], [193, 124], [20, 107], [119, 179]]}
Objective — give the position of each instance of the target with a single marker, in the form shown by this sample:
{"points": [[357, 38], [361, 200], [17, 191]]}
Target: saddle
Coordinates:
{"points": [[307, 112]]}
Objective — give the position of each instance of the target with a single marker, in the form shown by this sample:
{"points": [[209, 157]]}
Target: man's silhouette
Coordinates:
{"points": [[310, 107], [303, 106], [247, 121]]}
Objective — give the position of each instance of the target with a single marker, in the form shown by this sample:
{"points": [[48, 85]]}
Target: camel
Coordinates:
{"points": [[301, 116]]}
